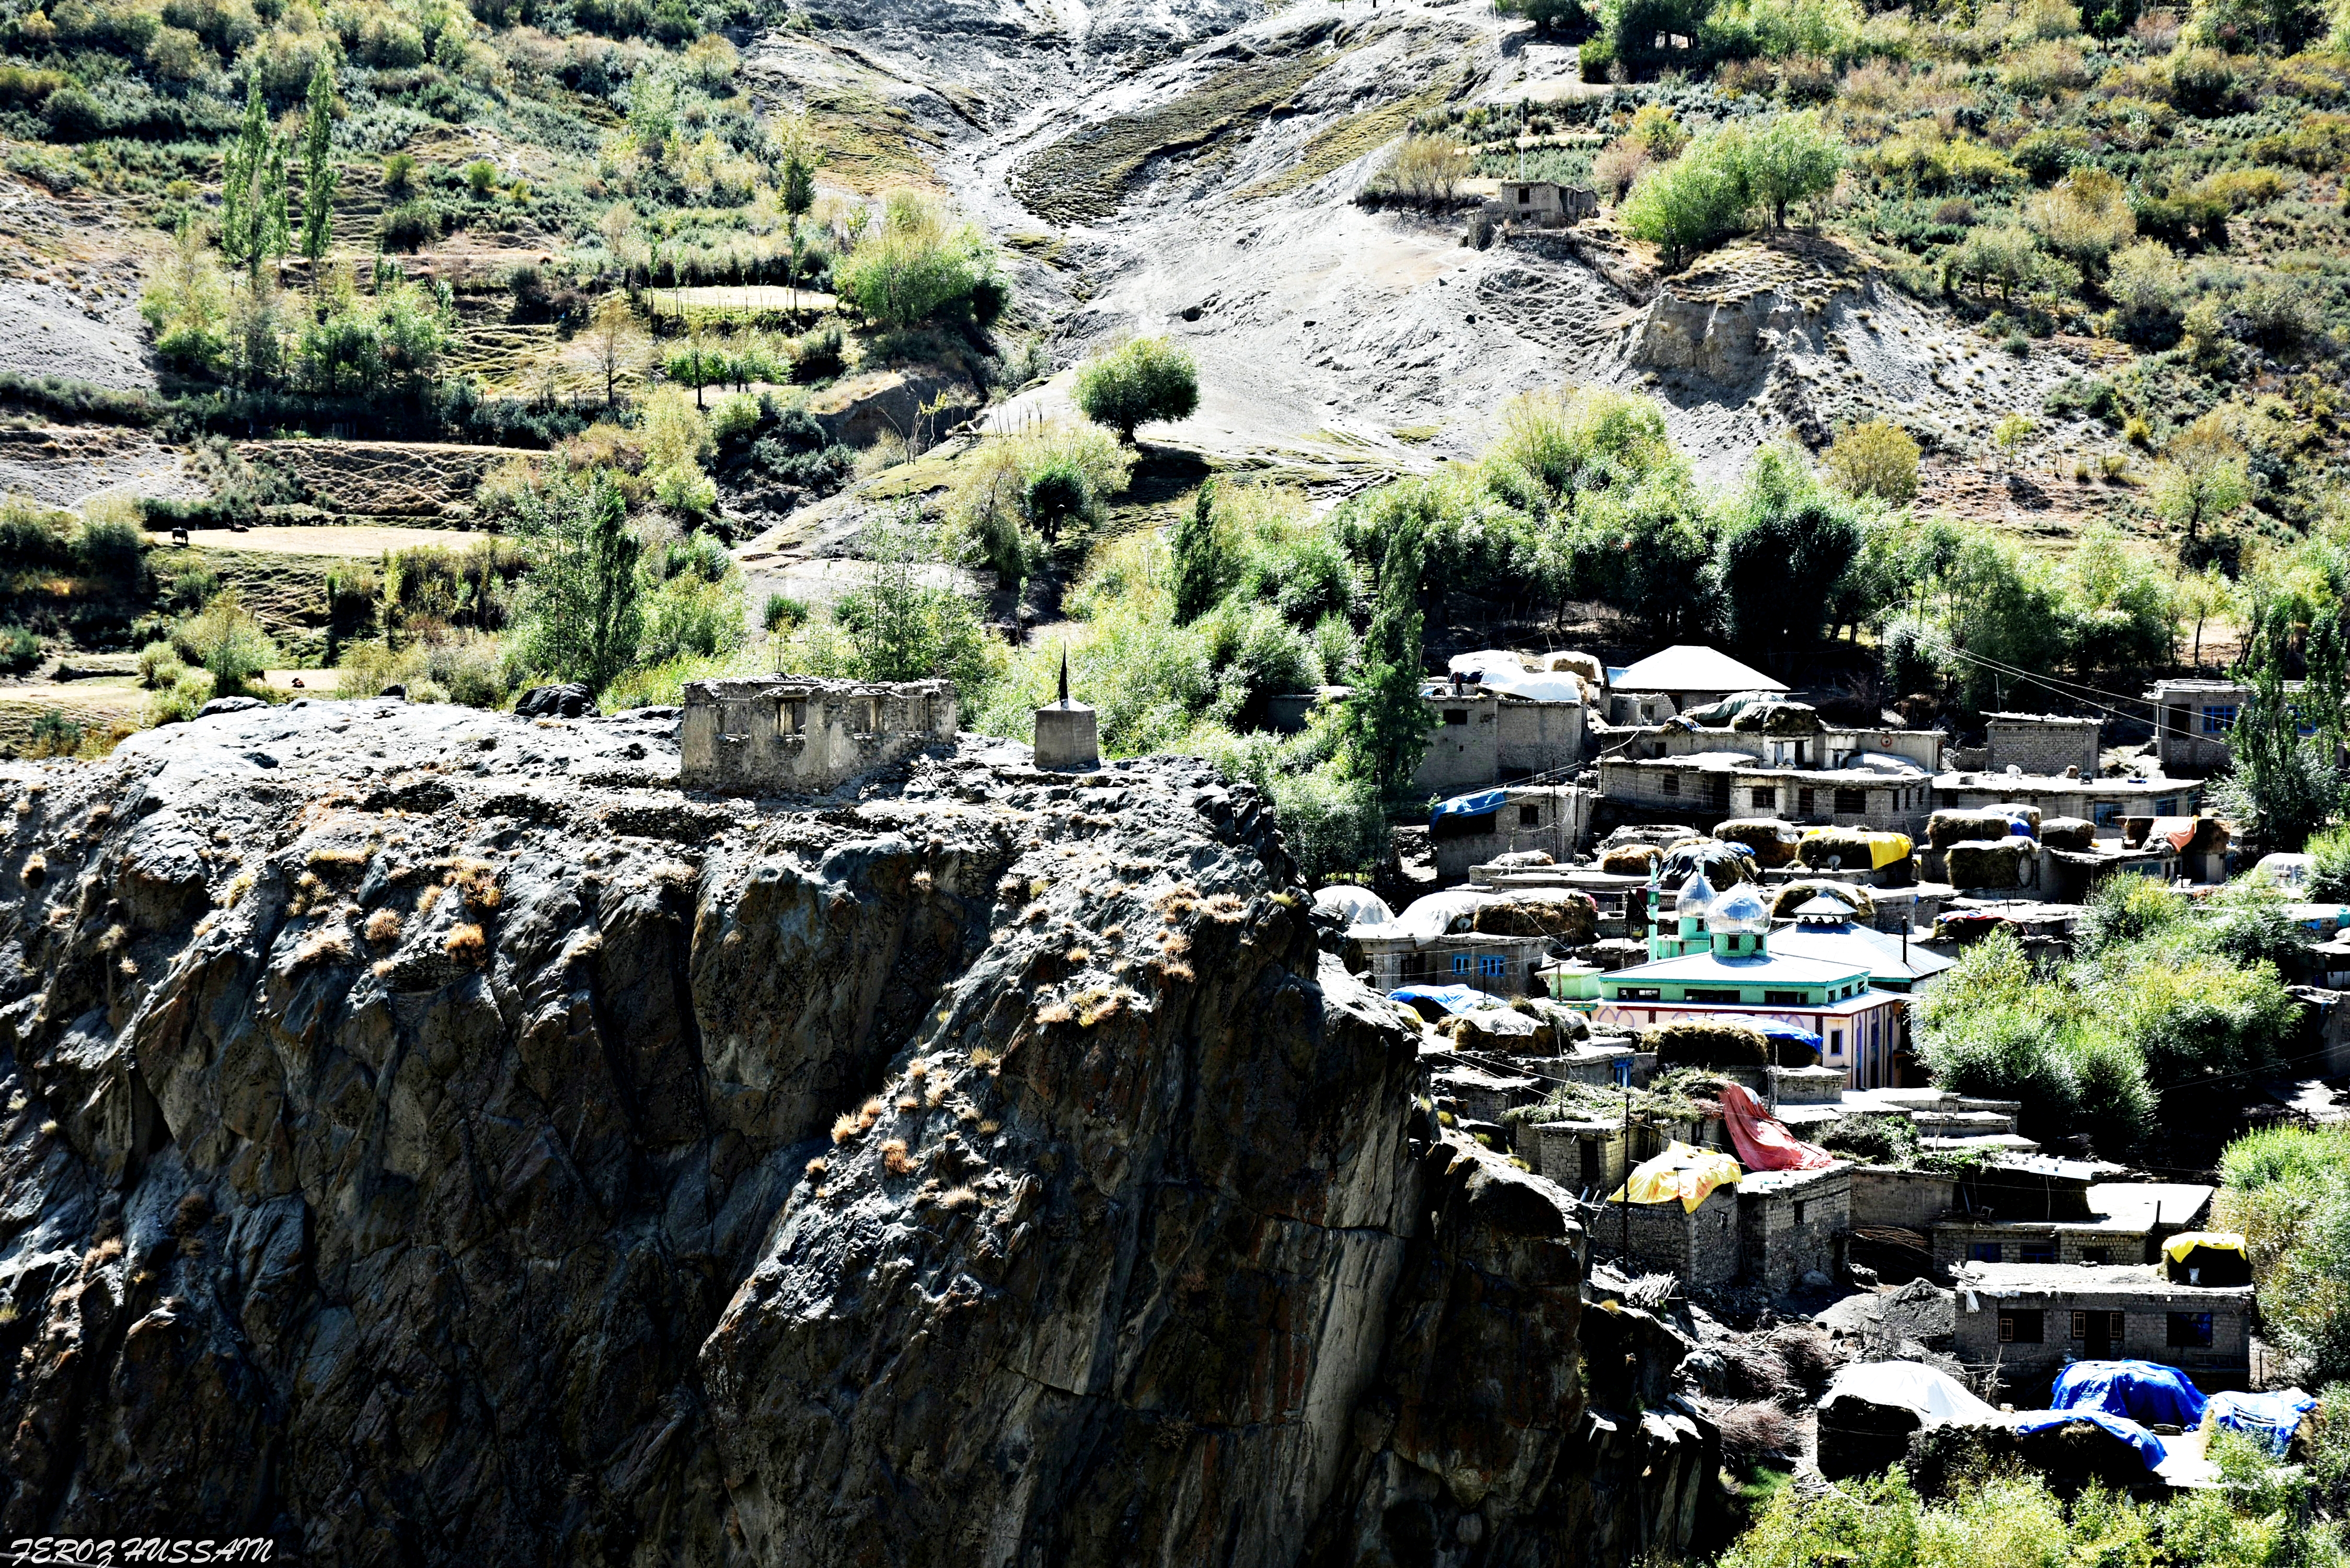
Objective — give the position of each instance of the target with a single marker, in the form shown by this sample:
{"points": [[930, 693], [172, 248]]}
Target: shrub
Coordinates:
{"points": [[2085, 217], [481, 175], [228, 642], [1878, 458], [1146, 381], [399, 173], [2330, 876], [916, 265], [20, 649], [408, 226], [1427, 169], [782, 614], [160, 666], [1694, 200]]}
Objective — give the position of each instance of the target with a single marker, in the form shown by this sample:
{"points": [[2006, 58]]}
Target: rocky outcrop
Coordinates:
{"points": [[431, 1136]]}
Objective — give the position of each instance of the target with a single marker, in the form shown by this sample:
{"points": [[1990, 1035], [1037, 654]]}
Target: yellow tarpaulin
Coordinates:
{"points": [[1884, 848], [2186, 1241], [1682, 1172]]}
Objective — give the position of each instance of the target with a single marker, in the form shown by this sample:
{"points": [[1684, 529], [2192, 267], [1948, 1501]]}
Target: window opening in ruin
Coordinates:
{"points": [[1456, 715], [1672, 783], [2019, 1327], [1529, 817], [1802, 799], [2038, 1252]]}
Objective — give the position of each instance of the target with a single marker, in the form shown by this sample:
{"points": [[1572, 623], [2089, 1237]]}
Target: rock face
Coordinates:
{"points": [[432, 1138]]}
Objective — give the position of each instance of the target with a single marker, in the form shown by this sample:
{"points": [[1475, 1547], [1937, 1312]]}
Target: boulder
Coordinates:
{"points": [[569, 700], [220, 705]]}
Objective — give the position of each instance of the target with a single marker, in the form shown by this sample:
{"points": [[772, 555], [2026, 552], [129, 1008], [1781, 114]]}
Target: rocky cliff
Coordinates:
{"points": [[430, 1137]]}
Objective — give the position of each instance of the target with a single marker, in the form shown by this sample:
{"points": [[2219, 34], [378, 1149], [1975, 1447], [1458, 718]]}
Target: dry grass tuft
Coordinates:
{"points": [[893, 1158], [936, 1095], [329, 942], [466, 944], [907, 1103], [818, 1166], [956, 1199], [1225, 908], [383, 925]]}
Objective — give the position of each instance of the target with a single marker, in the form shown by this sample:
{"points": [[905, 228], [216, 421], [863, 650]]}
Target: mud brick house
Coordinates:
{"points": [[1479, 738], [2041, 743], [1791, 767], [795, 735], [1540, 204], [2192, 721], [1691, 675], [1699, 1246], [2029, 1319], [2103, 802]]}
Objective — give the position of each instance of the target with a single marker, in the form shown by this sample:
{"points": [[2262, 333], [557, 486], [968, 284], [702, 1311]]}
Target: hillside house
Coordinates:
{"points": [[1479, 738], [1843, 778], [2029, 1319], [2105, 804], [2106, 1222], [1474, 830], [1540, 204], [2192, 720], [1718, 962]]}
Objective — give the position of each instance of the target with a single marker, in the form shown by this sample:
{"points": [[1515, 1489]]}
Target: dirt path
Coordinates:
{"points": [[358, 542]]}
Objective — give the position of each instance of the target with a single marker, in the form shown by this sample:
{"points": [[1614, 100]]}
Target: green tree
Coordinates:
{"points": [[1878, 458], [1144, 382], [1200, 565], [581, 615], [1693, 201], [253, 189], [319, 176], [2006, 255], [2284, 785], [2203, 481], [1786, 548], [226, 640], [903, 625], [916, 265], [1789, 159], [1384, 726]]}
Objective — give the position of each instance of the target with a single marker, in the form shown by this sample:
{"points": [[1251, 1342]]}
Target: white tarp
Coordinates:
{"points": [[1437, 914], [1360, 906], [1504, 672], [1940, 1399]]}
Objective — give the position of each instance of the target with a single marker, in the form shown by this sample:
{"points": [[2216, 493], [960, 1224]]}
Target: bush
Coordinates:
{"points": [[2330, 878], [160, 666], [1877, 458], [1146, 381], [782, 614], [410, 226], [1693, 201], [227, 642], [916, 266], [20, 649]]}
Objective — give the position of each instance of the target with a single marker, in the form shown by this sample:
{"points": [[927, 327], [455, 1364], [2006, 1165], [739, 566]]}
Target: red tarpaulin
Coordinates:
{"points": [[1761, 1143]]}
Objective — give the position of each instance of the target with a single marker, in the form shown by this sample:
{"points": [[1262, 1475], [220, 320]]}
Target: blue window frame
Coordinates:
{"points": [[1490, 966], [2219, 718], [1459, 963], [1985, 1252]]}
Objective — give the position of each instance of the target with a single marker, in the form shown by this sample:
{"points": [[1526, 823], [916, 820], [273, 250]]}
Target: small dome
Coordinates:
{"points": [[1738, 910], [1697, 897]]}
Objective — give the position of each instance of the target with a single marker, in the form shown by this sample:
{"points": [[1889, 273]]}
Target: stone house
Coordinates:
{"points": [[2120, 1222], [2192, 720], [1692, 675], [1540, 204], [2043, 743], [2029, 1319], [1700, 1246], [1553, 818], [2105, 804], [1846, 778], [797, 734], [1477, 738], [1790, 1223]]}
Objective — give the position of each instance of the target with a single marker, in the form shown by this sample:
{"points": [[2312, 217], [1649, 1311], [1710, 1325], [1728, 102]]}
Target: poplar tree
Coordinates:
{"points": [[1384, 724], [319, 175], [252, 189], [1198, 564]]}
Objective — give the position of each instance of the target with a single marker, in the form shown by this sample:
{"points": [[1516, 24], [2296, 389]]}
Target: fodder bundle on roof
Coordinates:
{"points": [[1707, 1043], [1836, 848], [1630, 860], [1567, 916], [2068, 833], [1945, 828], [1987, 863], [1793, 896], [1773, 841]]}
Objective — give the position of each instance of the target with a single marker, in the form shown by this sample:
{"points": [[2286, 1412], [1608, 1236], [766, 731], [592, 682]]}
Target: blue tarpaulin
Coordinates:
{"points": [[2145, 1392], [2148, 1445], [1477, 804], [1787, 1032], [1452, 998], [2272, 1417]]}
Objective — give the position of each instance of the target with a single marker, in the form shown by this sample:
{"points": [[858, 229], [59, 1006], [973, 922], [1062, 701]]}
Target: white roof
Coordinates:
{"points": [[1691, 667], [1504, 672]]}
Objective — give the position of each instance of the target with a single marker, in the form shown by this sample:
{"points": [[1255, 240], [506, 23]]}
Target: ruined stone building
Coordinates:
{"points": [[797, 734]]}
